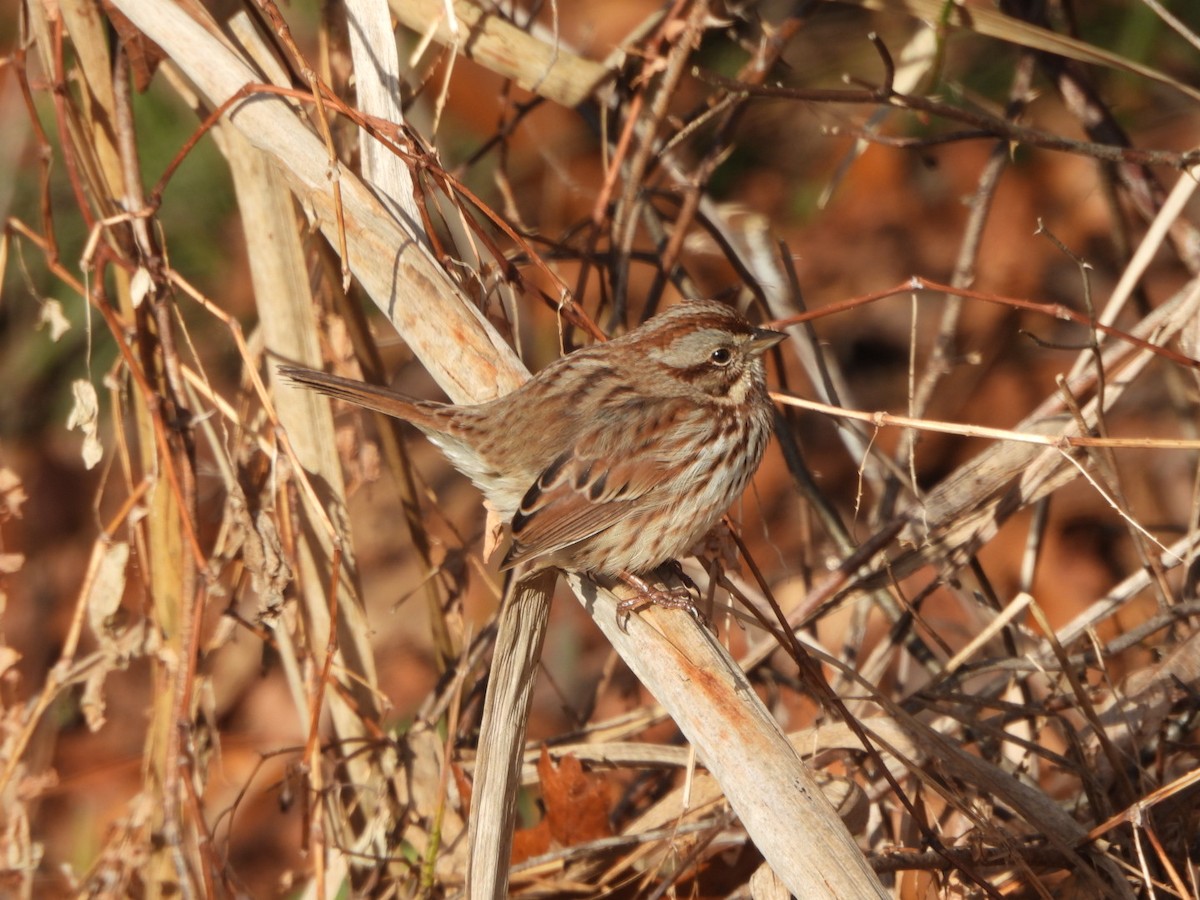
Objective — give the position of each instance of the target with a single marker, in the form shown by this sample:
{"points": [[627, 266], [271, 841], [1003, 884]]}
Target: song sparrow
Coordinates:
{"points": [[616, 458]]}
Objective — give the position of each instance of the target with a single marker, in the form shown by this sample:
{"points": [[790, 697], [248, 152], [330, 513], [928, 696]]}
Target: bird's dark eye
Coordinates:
{"points": [[721, 356]]}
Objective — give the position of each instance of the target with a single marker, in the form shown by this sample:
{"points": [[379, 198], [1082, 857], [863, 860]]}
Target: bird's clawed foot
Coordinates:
{"points": [[670, 598]]}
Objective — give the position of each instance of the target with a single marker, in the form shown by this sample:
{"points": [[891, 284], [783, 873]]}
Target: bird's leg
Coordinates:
{"points": [[676, 569], [672, 598]]}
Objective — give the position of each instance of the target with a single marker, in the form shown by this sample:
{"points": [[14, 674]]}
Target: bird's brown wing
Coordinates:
{"points": [[586, 490]]}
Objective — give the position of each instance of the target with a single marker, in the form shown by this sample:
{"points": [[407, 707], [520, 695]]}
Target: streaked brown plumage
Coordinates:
{"points": [[615, 458]]}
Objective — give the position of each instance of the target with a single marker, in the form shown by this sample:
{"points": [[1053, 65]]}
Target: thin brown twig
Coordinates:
{"points": [[981, 125], [918, 283]]}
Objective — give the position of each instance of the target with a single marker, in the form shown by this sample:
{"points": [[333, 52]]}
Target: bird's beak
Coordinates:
{"points": [[764, 339]]}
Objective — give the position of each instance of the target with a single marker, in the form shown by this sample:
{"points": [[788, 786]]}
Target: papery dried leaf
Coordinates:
{"points": [[494, 532], [85, 416], [719, 545], [106, 589], [86, 407], [577, 807], [530, 842], [140, 285], [269, 570], [53, 318], [93, 451], [30, 787], [12, 494], [92, 702], [577, 803]]}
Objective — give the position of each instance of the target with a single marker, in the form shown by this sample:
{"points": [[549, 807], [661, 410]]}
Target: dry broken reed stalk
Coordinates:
{"points": [[1009, 759]]}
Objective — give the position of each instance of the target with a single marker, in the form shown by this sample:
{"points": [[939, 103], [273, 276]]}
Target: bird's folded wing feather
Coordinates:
{"points": [[583, 492]]}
